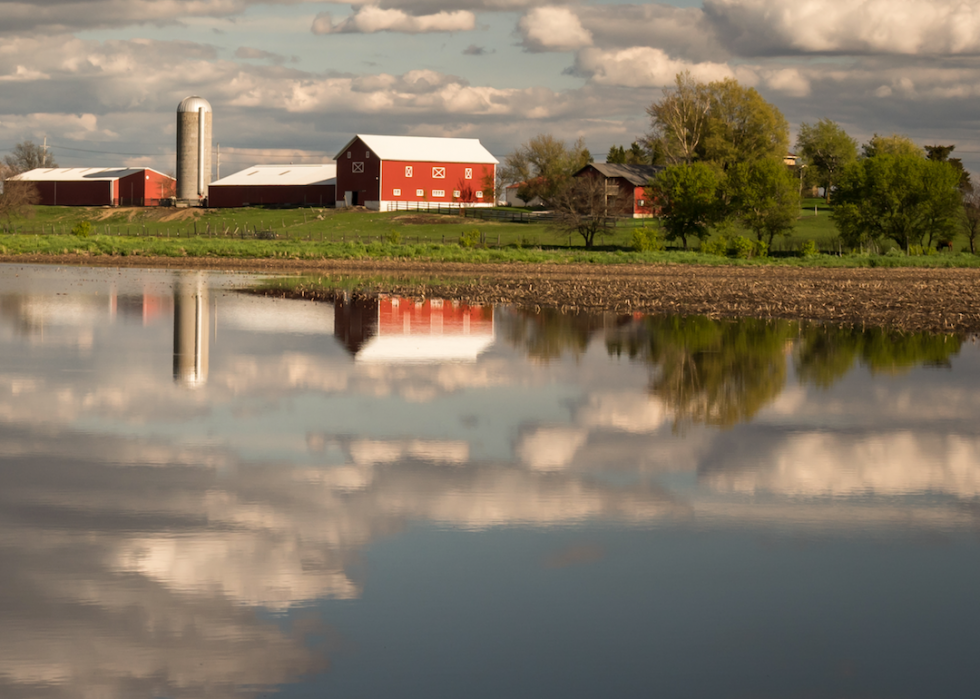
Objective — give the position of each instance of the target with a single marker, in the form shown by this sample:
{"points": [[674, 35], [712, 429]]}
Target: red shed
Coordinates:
{"points": [[396, 172], [278, 185], [100, 186], [627, 181]]}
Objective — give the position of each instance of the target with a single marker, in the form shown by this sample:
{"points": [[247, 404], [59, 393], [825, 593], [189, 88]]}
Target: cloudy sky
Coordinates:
{"points": [[291, 81]]}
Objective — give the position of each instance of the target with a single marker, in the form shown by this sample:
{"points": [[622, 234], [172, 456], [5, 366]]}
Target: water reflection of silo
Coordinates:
{"points": [[191, 331], [355, 320]]}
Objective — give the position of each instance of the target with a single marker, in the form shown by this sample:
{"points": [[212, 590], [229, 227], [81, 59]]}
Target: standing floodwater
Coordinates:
{"points": [[207, 493]]}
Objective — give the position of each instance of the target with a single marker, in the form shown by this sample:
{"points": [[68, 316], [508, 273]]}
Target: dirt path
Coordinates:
{"points": [[938, 300]]}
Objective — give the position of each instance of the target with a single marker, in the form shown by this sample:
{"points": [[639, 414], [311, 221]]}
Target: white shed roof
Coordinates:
{"points": [[425, 149], [282, 174], [79, 174]]}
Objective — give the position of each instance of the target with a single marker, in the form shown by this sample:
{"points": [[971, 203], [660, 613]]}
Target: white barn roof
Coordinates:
{"points": [[282, 174], [79, 174], [425, 149]]}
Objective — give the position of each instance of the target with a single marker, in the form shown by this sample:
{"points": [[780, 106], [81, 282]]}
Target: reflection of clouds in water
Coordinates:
{"points": [[827, 464], [624, 412], [550, 448]]}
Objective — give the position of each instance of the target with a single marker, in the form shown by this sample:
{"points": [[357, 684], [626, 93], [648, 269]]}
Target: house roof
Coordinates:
{"points": [[634, 174], [425, 149], [80, 174], [282, 175]]}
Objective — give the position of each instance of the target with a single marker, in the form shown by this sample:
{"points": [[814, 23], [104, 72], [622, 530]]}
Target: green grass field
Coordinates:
{"points": [[328, 233]]}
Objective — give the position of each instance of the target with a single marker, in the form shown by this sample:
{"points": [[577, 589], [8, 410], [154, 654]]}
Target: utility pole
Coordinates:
{"points": [[217, 173], [44, 158]]}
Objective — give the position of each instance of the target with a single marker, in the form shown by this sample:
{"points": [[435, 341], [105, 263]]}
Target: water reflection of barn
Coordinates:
{"points": [[394, 329]]}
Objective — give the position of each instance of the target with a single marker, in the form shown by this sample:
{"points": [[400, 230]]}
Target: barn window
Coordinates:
{"points": [[367, 154], [357, 167], [456, 192], [468, 173], [439, 173], [348, 155], [420, 192], [396, 192], [408, 171], [479, 194], [438, 192]]}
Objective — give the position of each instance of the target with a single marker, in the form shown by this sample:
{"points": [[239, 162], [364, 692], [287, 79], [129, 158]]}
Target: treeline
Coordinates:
{"points": [[724, 156]]}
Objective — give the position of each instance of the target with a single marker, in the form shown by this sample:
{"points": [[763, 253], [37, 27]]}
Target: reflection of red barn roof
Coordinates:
{"points": [[428, 331]]}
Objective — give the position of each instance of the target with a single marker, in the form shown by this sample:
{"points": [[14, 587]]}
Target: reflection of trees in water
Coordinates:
{"points": [[718, 372], [721, 372], [824, 355], [550, 333]]}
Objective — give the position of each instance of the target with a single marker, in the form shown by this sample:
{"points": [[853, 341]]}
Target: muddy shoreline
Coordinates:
{"points": [[911, 300]]}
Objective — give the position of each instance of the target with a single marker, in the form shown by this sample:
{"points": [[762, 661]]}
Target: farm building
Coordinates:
{"points": [[280, 185], [626, 184], [399, 172], [100, 186]]}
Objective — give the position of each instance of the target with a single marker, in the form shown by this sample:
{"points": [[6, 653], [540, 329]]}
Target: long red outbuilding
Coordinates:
{"points": [[276, 185], [100, 186]]}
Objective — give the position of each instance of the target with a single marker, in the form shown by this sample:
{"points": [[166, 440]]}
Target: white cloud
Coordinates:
{"points": [[915, 27], [642, 66], [553, 29], [371, 19]]}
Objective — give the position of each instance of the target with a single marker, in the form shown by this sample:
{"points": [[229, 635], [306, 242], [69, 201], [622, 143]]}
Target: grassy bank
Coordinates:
{"points": [[298, 249], [312, 234], [346, 226]]}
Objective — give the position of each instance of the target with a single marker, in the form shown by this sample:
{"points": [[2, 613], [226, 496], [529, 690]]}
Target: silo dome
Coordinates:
{"points": [[193, 150], [193, 104]]}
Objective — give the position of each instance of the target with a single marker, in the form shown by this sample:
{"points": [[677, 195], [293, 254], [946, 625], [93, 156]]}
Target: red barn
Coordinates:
{"points": [[627, 182], [100, 186], [281, 185], [392, 172]]}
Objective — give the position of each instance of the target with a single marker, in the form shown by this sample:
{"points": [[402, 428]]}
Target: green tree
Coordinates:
{"points": [[826, 150], [721, 122], [635, 155], [588, 206], [902, 197], [896, 144], [17, 198], [689, 200], [543, 165], [616, 155], [941, 154], [27, 155], [679, 120], [764, 197], [971, 217], [742, 126]]}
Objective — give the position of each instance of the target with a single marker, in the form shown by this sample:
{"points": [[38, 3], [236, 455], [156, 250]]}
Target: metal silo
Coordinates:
{"points": [[193, 149]]}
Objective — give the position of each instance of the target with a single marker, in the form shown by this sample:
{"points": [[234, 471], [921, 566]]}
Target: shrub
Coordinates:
{"points": [[647, 239], [718, 246], [470, 239], [394, 237], [761, 248], [82, 229], [740, 247], [809, 249]]}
